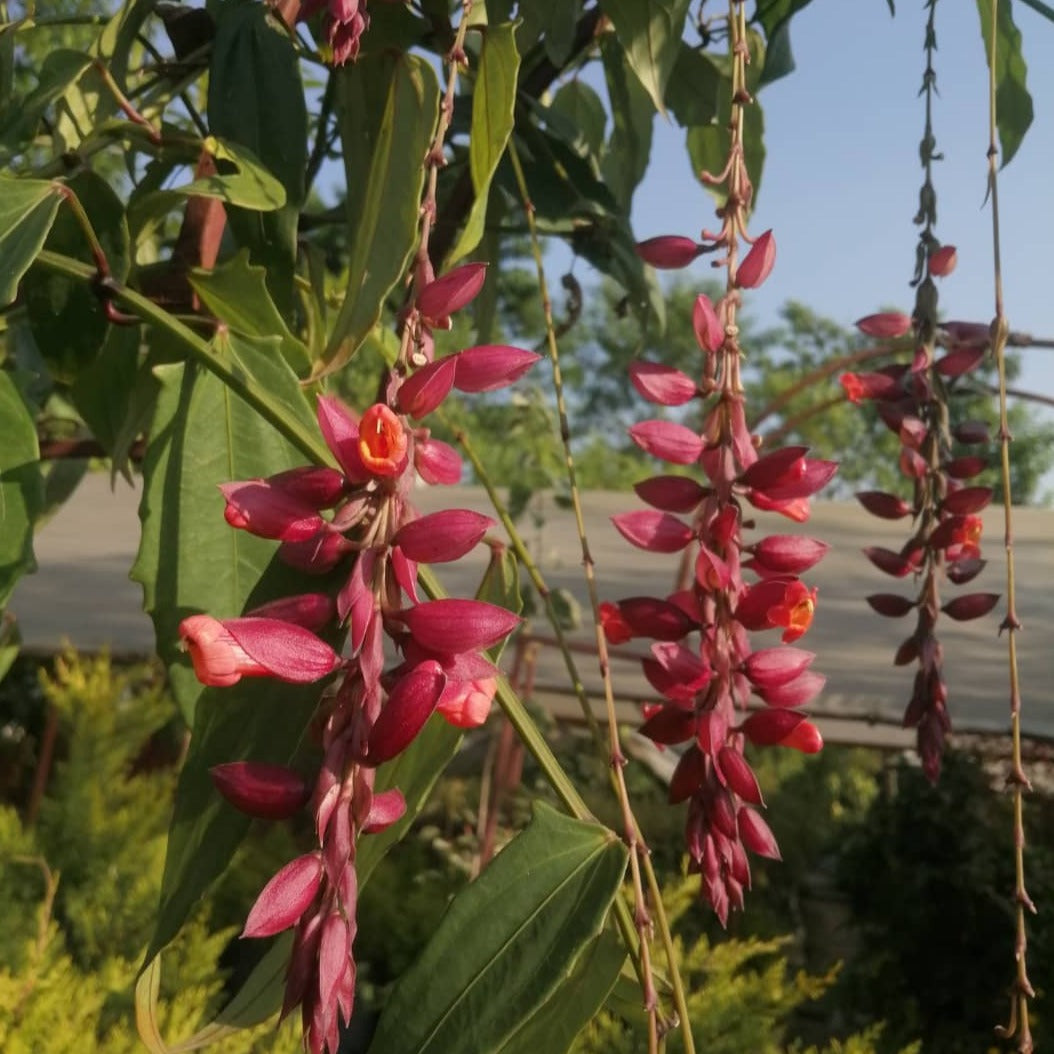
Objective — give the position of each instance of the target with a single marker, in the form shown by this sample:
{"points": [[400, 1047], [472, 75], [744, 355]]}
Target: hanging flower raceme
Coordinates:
{"points": [[343, 23], [915, 403], [718, 693], [357, 524]]}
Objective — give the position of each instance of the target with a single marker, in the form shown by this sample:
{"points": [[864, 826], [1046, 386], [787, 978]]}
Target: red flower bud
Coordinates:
{"points": [[310, 610], [890, 604], [675, 671], [961, 361], [656, 532], [860, 386], [708, 328], [491, 366], [616, 629], [979, 333], [257, 507], [285, 898], [466, 704], [668, 251], [886, 506], [671, 493], [427, 387], [896, 564], [670, 725], [386, 808], [965, 570], [756, 834], [441, 298], [667, 440], [316, 555], [971, 606], [738, 776], [662, 384], [788, 554], [658, 619], [410, 704], [268, 792], [889, 325], [943, 261], [772, 667], [966, 467], [967, 500], [803, 689], [316, 486], [453, 625], [688, 776], [437, 462], [442, 536], [757, 263]]}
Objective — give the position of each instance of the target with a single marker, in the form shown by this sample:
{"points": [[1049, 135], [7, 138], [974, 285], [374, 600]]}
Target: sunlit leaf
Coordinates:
{"points": [[27, 211]]}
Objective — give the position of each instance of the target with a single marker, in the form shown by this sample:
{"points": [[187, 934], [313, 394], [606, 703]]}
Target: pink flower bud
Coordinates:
{"points": [[668, 251], [961, 361], [316, 555], [410, 704], [386, 808], [769, 728], [788, 554], [453, 625], [977, 333], [310, 610], [786, 474], [738, 776], [967, 500], [658, 619], [709, 331], [965, 467], [885, 506], [441, 298], [427, 387], [317, 486], [896, 564], [772, 667], [491, 366], [334, 961], [268, 792], [656, 532], [224, 652], [889, 325], [257, 507], [442, 536], [675, 671], [757, 263], [892, 605], [943, 261], [671, 493], [756, 835], [616, 629], [971, 606], [285, 898], [466, 704], [437, 462], [802, 690], [669, 725], [667, 440], [662, 384], [688, 776]]}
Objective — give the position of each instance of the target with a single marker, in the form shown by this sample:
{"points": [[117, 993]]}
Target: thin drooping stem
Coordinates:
{"points": [[1021, 989], [631, 830]]}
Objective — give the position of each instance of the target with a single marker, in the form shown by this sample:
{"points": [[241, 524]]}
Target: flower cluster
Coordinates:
{"points": [[937, 458], [356, 524], [343, 23]]}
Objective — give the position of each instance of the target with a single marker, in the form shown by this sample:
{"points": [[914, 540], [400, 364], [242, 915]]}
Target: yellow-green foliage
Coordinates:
{"points": [[78, 891]]}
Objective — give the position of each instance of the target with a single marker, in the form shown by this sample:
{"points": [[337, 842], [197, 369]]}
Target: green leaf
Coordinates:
{"points": [[553, 1027], [581, 106], [21, 490], [189, 559], [493, 100], [629, 148], [696, 87], [27, 211], [103, 391], [507, 941], [59, 71], [383, 150], [236, 293], [256, 101], [68, 320], [1013, 103], [650, 31], [774, 17]]}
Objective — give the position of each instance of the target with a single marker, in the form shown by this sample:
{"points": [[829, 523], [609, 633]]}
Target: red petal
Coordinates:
{"points": [[257, 507], [670, 725], [789, 554], [887, 325], [966, 467], [452, 292], [657, 532], [971, 432], [658, 619], [963, 571], [967, 332], [671, 493], [341, 433], [285, 898], [802, 690], [386, 808], [269, 792], [452, 625], [756, 835], [708, 328], [738, 775], [968, 500], [288, 652], [772, 667], [689, 775], [890, 604], [410, 703], [437, 462], [971, 606], [785, 465], [317, 486], [491, 366], [427, 387], [757, 263], [668, 440], [892, 563], [662, 384], [767, 728], [943, 261], [442, 536], [310, 610], [668, 251], [886, 506], [961, 361]]}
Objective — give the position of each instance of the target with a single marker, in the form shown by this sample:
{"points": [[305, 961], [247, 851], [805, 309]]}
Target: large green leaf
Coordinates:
{"points": [[236, 293], [21, 492], [68, 320], [1013, 103], [774, 17], [493, 100], [27, 211], [256, 100], [189, 559], [584, 113], [633, 116], [385, 139], [59, 71], [506, 942], [553, 1027], [103, 392], [696, 87], [650, 32]]}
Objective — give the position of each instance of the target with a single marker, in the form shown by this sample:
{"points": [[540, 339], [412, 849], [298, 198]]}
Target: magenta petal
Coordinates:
{"points": [[257, 507], [268, 792], [318, 554], [452, 625], [442, 536], [757, 263], [887, 325], [662, 384], [963, 571], [772, 667], [310, 610], [960, 361], [427, 387], [671, 493], [669, 725], [967, 500], [333, 957], [789, 554], [318, 486], [689, 775], [285, 898], [972, 432], [341, 433], [452, 292], [668, 440], [803, 689], [675, 672], [405, 573], [410, 704], [756, 835], [290, 653], [885, 506], [738, 775], [491, 366], [386, 808], [892, 563], [767, 728], [708, 328], [657, 532], [668, 251], [437, 462], [785, 465], [966, 467], [971, 606], [659, 619]]}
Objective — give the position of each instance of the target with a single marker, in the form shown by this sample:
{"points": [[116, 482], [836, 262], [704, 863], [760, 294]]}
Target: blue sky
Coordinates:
{"points": [[841, 177]]}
